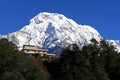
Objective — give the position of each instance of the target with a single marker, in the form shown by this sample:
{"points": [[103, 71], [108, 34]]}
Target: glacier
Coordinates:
{"points": [[54, 32]]}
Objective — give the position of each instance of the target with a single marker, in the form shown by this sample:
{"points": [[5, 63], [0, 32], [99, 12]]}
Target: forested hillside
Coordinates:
{"points": [[14, 65], [95, 61]]}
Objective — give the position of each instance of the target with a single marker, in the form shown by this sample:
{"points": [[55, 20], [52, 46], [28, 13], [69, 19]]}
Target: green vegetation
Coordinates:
{"points": [[96, 61], [16, 66]]}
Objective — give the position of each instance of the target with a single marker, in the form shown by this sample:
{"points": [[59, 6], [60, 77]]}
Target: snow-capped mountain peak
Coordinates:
{"points": [[53, 31]]}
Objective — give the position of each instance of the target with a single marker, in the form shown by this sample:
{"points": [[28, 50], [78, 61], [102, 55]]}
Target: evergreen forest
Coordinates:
{"points": [[95, 61]]}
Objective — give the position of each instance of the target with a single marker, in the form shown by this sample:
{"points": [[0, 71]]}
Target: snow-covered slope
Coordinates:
{"points": [[54, 32], [116, 43]]}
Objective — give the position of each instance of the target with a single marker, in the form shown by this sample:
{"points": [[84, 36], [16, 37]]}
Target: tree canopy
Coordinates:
{"points": [[95, 61], [16, 66]]}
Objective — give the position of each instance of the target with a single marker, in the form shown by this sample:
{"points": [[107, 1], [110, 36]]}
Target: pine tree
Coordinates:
{"points": [[74, 65], [110, 58], [92, 52]]}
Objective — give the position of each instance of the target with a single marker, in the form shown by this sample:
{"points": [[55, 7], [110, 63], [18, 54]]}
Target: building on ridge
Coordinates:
{"points": [[33, 51]]}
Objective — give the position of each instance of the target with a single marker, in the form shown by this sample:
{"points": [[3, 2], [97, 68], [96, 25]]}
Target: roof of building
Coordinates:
{"points": [[35, 48]]}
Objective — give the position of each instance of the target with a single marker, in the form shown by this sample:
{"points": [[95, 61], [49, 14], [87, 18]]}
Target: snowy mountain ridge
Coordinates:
{"points": [[54, 32], [116, 43]]}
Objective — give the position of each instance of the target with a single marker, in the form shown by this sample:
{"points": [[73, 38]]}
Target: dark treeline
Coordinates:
{"points": [[16, 66], [96, 61]]}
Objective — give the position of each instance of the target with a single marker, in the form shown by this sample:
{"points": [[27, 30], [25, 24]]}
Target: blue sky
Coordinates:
{"points": [[103, 15]]}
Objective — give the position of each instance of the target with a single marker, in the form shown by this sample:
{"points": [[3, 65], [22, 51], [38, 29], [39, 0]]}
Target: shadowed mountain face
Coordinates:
{"points": [[54, 32]]}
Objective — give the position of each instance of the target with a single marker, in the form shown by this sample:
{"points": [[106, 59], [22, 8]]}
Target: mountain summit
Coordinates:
{"points": [[54, 32]]}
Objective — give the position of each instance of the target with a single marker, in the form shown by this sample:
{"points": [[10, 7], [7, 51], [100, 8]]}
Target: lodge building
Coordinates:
{"points": [[33, 51]]}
